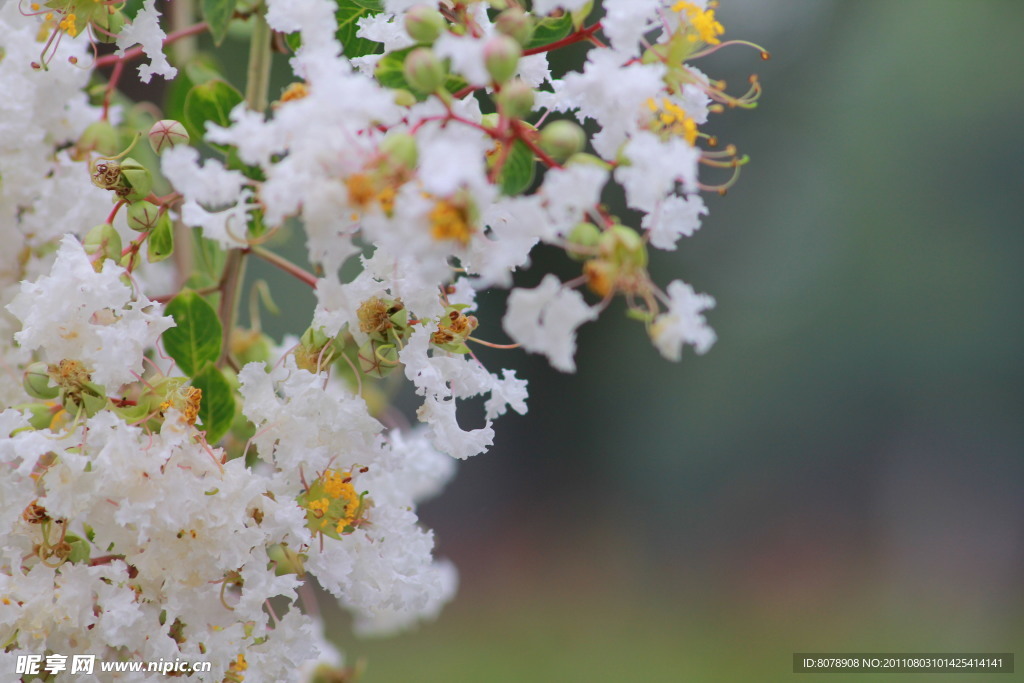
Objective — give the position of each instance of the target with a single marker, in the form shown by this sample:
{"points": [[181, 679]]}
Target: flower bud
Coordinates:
{"points": [[516, 99], [516, 24], [37, 382], [110, 22], [143, 216], [561, 139], [100, 137], [423, 70], [376, 359], [400, 149], [403, 98], [137, 180], [166, 134], [582, 241], [312, 353], [501, 57], [424, 24], [103, 242], [624, 246]]}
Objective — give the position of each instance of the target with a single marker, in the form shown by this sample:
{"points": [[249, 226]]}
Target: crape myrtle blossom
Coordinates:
{"points": [[423, 150]]}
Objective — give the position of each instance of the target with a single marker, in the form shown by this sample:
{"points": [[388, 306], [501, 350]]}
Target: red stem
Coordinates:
{"points": [[579, 36], [113, 212], [523, 134]]}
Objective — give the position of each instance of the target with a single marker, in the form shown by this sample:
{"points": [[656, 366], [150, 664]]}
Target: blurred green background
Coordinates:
{"points": [[843, 471]]}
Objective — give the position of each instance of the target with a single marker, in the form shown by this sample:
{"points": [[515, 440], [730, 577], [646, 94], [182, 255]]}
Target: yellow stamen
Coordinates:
{"points": [[449, 222], [703, 22]]}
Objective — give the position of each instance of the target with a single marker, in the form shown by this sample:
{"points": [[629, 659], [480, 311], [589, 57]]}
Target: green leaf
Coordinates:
{"points": [[217, 407], [348, 15], [550, 30], [160, 243], [389, 73], [210, 101], [218, 14], [208, 264], [196, 340], [200, 69], [517, 173]]}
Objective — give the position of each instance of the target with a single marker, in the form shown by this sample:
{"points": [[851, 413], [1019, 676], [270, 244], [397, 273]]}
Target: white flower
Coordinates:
{"points": [[676, 216], [467, 55], [145, 30], [655, 166], [626, 21], [544, 320], [77, 313], [683, 323], [211, 184]]}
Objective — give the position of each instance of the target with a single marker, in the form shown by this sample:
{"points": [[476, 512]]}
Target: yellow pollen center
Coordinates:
{"points": [[672, 119], [703, 22], [449, 222], [294, 91]]}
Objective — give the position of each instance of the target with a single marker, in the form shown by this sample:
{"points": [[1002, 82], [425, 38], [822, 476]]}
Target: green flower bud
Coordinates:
{"points": [[561, 139], [582, 241], [102, 239], [37, 382], [584, 158], [137, 181], [624, 246], [516, 99], [143, 216], [403, 98], [516, 24], [166, 134], [423, 70], [424, 24], [250, 346], [501, 57], [100, 137], [285, 560], [111, 21], [312, 353], [376, 359], [400, 149]]}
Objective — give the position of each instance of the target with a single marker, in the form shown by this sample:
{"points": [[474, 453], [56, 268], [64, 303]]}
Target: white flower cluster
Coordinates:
{"points": [[166, 473]]}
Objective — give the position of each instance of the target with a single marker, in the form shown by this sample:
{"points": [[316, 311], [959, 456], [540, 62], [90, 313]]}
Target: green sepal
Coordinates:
{"points": [[40, 414], [196, 338], [80, 548], [137, 180], [160, 243]]}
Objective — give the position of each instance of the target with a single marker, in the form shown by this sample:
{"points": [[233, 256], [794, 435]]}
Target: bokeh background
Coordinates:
{"points": [[843, 471]]}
